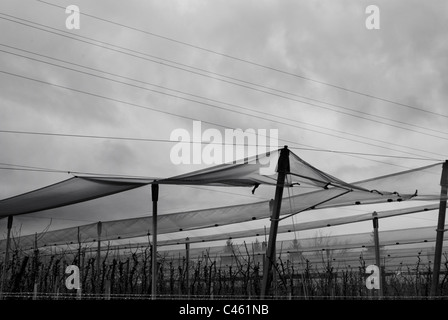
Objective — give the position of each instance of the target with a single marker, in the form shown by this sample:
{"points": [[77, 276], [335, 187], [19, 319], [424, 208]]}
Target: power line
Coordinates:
{"points": [[219, 79], [111, 99], [351, 154], [17, 167], [226, 81], [254, 63], [165, 112], [176, 114], [173, 114], [202, 142], [195, 101], [33, 170], [378, 161], [364, 154]]}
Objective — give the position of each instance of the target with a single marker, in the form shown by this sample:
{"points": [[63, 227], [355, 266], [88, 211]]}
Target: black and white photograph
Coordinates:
{"points": [[222, 158]]}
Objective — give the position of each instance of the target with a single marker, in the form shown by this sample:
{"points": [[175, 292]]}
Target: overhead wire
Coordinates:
{"points": [[202, 103], [204, 142], [149, 108], [175, 114], [137, 105], [71, 36], [251, 62], [370, 159], [215, 124], [49, 170]]}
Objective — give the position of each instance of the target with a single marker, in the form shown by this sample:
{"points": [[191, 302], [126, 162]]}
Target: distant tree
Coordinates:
{"points": [[294, 249], [229, 250]]}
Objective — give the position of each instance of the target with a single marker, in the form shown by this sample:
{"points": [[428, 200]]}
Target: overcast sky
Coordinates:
{"points": [[313, 64]]}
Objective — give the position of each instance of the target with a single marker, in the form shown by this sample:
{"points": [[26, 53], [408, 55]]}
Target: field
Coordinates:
{"points": [[236, 273]]}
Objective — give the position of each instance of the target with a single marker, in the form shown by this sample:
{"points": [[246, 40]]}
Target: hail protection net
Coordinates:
{"points": [[167, 225], [326, 192]]}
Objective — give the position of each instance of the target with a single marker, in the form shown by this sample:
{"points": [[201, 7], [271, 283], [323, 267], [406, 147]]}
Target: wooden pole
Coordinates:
{"points": [[187, 265], [35, 291], [98, 255], [35, 267], [440, 231], [5, 263], [282, 170], [377, 251], [79, 247], [80, 263], [57, 288], [98, 251], [155, 198], [107, 289]]}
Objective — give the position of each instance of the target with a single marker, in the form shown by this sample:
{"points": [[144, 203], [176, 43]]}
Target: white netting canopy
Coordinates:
{"points": [[326, 192]]}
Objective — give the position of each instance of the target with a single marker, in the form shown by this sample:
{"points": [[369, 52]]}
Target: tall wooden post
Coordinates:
{"points": [[155, 198], [377, 251], [79, 247], [187, 265], [282, 170], [440, 230], [98, 251], [36, 266], [5, 263], [107, 290]]}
